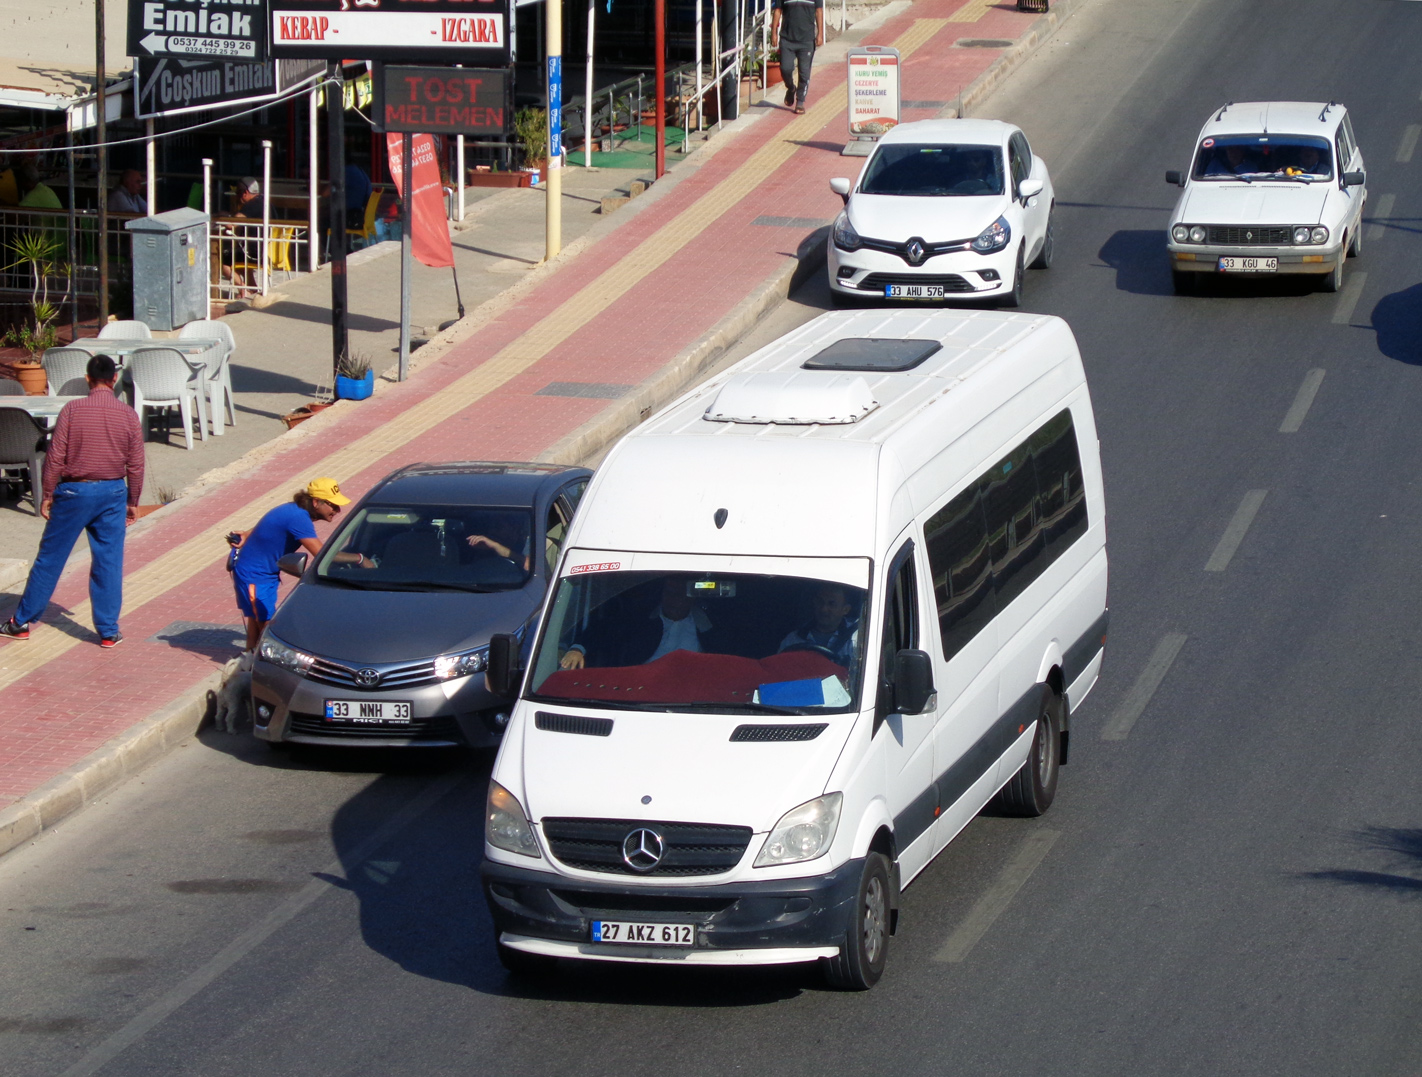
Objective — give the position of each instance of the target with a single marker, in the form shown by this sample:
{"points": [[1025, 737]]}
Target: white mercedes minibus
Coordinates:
{"points": [[809, 620]]}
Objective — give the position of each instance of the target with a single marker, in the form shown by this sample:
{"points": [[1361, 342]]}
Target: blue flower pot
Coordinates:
{"points": [[355, 388]]}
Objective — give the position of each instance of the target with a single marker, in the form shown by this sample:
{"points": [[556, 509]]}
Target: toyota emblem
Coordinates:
{"points": [[367, 678], [642, 850], [915, 251]]}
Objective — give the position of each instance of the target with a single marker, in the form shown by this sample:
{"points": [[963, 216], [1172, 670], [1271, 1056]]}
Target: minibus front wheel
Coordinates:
{"points": [[865, 949]]}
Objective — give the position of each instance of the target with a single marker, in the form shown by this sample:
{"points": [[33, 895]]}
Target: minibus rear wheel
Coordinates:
{"points": [[1034, 787], [865, 951]]}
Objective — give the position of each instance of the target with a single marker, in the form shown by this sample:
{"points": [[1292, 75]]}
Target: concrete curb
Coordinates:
{"points": [[180, 720], [110, 765]]}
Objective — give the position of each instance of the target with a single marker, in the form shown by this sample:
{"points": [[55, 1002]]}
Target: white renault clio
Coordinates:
{"points": [[1276, 187], [943, 209]]}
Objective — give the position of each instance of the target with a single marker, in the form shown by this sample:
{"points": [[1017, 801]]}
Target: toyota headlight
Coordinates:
{"points": [[1319, 235], [505, 825], [994, 237], [461, 665], [1180, 234], [278, 653], [803, 833], [845, 237]]}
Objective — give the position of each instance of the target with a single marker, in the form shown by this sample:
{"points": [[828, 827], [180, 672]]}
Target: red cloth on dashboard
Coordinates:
{"points": [[687, 677]]}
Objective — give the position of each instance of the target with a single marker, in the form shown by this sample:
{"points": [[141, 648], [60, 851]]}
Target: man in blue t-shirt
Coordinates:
{"points": [[797, 28], [284, 530]]}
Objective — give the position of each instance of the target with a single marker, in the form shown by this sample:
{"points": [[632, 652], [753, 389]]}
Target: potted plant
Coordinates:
{"points": [[355, 380], [531, 133], [40, 252]]}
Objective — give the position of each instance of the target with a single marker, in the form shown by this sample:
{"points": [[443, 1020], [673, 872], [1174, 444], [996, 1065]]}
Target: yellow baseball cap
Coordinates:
{"points": [[324, 489]]}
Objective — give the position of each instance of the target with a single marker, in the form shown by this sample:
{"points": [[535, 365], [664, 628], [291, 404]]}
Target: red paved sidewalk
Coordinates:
{"points": [[54, 715]]}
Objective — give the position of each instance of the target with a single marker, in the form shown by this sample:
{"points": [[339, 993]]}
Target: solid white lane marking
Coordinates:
{"points": [[1348, 299], [254, 936], [995, 900], [1150, 678], [1408, 144], [1302, 402], [1235, 532], [1378, 229]]}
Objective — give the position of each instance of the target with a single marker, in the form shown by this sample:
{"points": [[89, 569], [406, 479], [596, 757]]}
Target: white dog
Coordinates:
{"points": [[233, 695]]}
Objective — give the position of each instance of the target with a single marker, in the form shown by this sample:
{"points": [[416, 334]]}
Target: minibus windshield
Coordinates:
{"points": [[722, 643]]}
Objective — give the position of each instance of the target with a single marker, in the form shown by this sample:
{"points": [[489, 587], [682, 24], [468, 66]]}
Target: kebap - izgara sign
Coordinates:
{"points": [[442, 100], [168, 85], [452, 31], [219, 29]]}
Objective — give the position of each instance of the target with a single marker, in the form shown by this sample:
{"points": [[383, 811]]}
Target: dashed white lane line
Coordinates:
{"points": [[1150, 678], [1235, 532], [1298, 411], [1348, 299], [1408, 145], [1378, 229], [995, 900]]}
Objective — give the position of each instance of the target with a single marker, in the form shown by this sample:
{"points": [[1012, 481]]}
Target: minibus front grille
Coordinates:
{"points": [[764, 733], [590, 902], [688, 848]]}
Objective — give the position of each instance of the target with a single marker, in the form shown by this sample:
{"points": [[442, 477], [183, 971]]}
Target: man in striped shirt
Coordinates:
{"points": [[93, 475]]}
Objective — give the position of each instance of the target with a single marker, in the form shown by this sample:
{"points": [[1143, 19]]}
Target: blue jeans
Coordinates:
{"points": [[100, 508]]}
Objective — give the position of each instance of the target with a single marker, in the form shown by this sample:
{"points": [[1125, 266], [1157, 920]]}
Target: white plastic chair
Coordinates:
{"points": [[10, 387], [129, 330], [219, 369], [22, 442], [163, 378], [62, 366]]}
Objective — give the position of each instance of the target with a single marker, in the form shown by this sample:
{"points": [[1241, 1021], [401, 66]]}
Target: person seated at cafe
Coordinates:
{"points": [[239, 258], [33, 193], [126, 197], [9, 187], [357, 195], [831, 629]]}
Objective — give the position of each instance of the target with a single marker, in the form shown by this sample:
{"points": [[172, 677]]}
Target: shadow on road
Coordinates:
{"points": [[1138, 257], [1401, 848], [1397, 320]]}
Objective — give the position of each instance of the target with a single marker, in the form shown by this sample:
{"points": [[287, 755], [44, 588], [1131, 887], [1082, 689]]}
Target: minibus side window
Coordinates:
{"points": [[957, 541], [900, 623], [1062, 494], [1019, 553]]}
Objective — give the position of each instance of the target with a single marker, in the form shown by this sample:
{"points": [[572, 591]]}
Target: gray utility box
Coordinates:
{"points": [[170, 268]]}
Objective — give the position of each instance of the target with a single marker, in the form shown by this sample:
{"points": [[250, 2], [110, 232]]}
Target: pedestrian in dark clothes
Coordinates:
{"points": [[797, 28], [93, 475]]}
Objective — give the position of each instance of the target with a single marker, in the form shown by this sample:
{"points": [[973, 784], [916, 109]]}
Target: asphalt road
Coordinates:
{"points": [[1230, 881]]}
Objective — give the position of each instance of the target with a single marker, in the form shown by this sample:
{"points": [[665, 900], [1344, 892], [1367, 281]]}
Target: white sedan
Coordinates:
{"points": [[1276, 187], [943, 209]]}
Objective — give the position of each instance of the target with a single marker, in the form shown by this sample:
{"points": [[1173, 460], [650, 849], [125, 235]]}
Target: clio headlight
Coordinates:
{"points": [[803, 833], [278, 653], [461, 665], [505, 825], [994, 237], [845, 237]]}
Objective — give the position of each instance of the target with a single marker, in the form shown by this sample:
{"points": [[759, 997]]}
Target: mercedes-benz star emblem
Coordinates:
{"points": [[643, 849], [367, 678], [914, 250]]}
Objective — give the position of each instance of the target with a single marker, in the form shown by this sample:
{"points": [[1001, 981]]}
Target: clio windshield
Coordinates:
{"points": [[726, 642]]}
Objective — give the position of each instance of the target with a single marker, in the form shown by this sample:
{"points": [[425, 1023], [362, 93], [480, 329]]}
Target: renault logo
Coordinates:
{"points": [[643, 849], [367, 678], [914, 250]]}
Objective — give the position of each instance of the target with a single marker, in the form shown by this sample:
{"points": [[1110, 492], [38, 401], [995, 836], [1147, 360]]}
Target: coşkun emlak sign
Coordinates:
{"points": [[442, 100]]}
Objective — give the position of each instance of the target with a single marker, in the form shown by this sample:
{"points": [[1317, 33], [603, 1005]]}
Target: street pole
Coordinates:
{"points": [[151, 153], [101, 107], [336, 211], [660, 89], [553, 221], [407, 226], [588, 93], [312, 184]]}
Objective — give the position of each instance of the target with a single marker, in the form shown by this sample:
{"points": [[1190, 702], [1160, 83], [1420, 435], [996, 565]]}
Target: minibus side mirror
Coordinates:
{"points": [[503, 674], [1354, 179], [293, 564], [913, 681], [1175, 178]]}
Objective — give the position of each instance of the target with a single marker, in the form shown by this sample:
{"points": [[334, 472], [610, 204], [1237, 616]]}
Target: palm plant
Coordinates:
{"points": [[41, 253]]}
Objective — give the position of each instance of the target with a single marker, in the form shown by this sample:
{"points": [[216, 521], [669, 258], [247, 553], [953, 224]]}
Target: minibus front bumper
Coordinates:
{"points": [[776, 921]]}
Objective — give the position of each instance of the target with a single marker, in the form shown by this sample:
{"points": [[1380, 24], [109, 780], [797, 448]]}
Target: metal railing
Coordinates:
{"points": [[247, 257], [77, 255]]}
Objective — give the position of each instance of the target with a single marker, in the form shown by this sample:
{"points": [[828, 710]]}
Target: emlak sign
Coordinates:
{"points": [[456, 31], [442, 100], [215, 29]]}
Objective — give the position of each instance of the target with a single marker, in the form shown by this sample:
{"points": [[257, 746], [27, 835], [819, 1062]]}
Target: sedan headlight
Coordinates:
{"points": [[461, 665], [1319, 235], [1197, 234], [1180, 234], [803, 833], [505, 825], [278, 653], [994, 237], [1301, 234], [845, 237]]}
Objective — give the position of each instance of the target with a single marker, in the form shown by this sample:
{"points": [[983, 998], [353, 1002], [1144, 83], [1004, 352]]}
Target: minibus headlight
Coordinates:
{"points": [[505, 825], [278, 653], [803, 833]]}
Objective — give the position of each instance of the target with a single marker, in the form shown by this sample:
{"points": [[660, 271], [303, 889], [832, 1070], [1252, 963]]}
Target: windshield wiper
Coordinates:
{"points": [[431, 585]]}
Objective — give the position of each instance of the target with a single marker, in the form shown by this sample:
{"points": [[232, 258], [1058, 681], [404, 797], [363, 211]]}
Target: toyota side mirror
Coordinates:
{"points": [[913, 681], [1030, 188], [841, 187], [503, 673], [1176, 178], [293, 564], [1354, 179]]}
